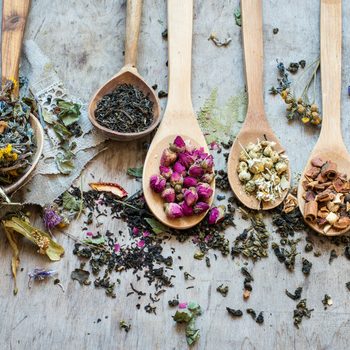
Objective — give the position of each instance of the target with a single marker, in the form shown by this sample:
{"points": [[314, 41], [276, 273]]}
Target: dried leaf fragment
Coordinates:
{"points": [[113, 188]]}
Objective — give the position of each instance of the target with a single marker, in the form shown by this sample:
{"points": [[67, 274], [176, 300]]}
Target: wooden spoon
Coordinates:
{"points": [[179, 117], [128, 75], [14, 16], [330, 144], [256, 125]]}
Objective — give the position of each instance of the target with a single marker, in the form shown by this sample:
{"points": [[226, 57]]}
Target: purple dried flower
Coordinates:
{"points": [[186, 159], [146, 234], [178, 145], [204, 191], [176, 179], [196, 171], [182, 305], [116, 247], [89, 234], [173, 210], [41, 274], [168, 157], [179, 168], [208, 177], [216, 214], [165, 171], [51, 218], [168, 195], [135, 231], [190, 181], [200, 207], [157, 183], [186, 210], [199, 153], [190, 196], [141, 243], [208, 163]]}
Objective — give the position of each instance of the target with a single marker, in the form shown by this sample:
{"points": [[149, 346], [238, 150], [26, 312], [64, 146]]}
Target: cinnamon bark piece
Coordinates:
{"points": [[310, 211]]}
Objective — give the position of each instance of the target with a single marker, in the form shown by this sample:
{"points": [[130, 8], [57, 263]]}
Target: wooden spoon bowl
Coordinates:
{"points": [[179, 118], [128, 75], [256, 126]]}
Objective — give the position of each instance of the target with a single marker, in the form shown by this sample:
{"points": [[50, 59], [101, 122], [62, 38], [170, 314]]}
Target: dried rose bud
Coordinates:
{"points": [[179, 168], [190, 196], [173, 210], [178, 188], [51, 218], [204, 191], [178, 145], [200, 207], [208, 177], [157, 183], [168, 157], [165, 171], [168, 195], [208, 163], [186, 210], [179, 197], [176, 179], [190, 181], [216, 214], [196, 171], [186, 159], [199, 153]]}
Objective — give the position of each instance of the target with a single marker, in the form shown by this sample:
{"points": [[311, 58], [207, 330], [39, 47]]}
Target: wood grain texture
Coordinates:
{"points": [[256, 126], [85, 41]]}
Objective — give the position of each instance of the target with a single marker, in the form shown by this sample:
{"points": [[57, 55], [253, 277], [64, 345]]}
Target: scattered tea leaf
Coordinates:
{"points": [[81, 276], [69, 112], [296, 295], [233, 312], [61, 131], [135, 172], [64, 162], [70, 202], [95, 241], [156, 226]]}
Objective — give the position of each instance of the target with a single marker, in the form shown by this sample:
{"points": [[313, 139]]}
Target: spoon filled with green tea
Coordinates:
{"points": [[178, 173], [258, 170], [324, 190], [126, 99], [22, 150]]}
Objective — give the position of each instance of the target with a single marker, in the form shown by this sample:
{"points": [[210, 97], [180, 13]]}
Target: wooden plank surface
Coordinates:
{"points": [[84, 40]]}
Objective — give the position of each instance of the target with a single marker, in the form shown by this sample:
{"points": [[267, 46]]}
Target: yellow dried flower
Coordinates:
{"points": [[305, 120]]}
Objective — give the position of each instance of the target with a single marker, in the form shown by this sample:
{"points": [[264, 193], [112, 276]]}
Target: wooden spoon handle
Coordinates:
{"points": [[331, 45], [14, 16], [133, 20], [253, 53], [180, 18]]}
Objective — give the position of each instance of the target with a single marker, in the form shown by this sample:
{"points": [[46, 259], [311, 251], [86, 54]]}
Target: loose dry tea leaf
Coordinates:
{"points": [[113, 188], [332, 255], [70, 202], [327, 301], [238, 16], [307, 265], [80, 275], [260, 318], [252, 313], [296, 295], [284, 255], [223, 290], [300, 312], [135, 172], [125, 326], [233, 312], [68, 112]]}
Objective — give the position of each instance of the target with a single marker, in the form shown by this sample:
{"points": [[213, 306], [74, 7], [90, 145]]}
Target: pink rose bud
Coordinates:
{"points": [[204, 191], [196, 171], [176, 179], [186, 159], [168, 195], [200, 207], [168, 157], [216, 214], [208, 163], [178, 145], [165, 171], [179, 168], [208, 177], [190, 196], [200, 154], [190, 181], [186, 210], [157, 183], [173, 210]]}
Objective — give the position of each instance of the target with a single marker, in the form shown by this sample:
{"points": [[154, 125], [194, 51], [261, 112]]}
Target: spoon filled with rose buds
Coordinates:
{"points": [[178, 176], [324, 189], [258, 170]]}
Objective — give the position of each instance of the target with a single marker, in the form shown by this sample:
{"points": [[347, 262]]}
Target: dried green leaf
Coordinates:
{"points": [[135, 172], [64, 162], [69, 112], [47, 116], [238, 16], [95, 241], [46, 245], [182, 316], [71, 203], [156, 226], [61, 131], [81, 276]]}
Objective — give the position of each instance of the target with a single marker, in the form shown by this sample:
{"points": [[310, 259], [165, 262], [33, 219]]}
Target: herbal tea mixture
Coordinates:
{"points": [[17, 142], [184, 181], [263, 171], [126, 110]]}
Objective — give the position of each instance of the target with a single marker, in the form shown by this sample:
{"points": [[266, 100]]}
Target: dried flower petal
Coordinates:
{"points": [[113, 188]]}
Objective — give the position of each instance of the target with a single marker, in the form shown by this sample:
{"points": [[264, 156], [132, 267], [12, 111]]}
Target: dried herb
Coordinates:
{"points": [[223, 290], [284, 255], [307, 265], [252, 313], [173, 302], [234, 313], [135, 172], [188, 276], [39, 274], [82, 276], [70, 202], [275, 30], [218, 42], [300, 312], [126, 110], [260, 318], [125, 326], [238, 16], [156, 226], [327, 301], [68, 112], [162, 94], [296, 295]]}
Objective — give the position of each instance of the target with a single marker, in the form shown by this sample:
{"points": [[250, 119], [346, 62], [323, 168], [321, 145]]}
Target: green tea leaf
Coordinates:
{"points": [[47, 116], [61, 131], [156, 226], [95, 241], [135, 172], [69, 111], [192, 334], [43, 240], [71, 203], [64, 162], [183, 316]]}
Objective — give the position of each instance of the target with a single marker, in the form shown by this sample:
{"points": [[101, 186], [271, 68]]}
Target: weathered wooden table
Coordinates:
{"points": [[84, 40]]}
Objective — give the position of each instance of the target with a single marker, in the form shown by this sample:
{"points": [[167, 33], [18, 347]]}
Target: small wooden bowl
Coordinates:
{"points": [[39, 138], [128, 75]]}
